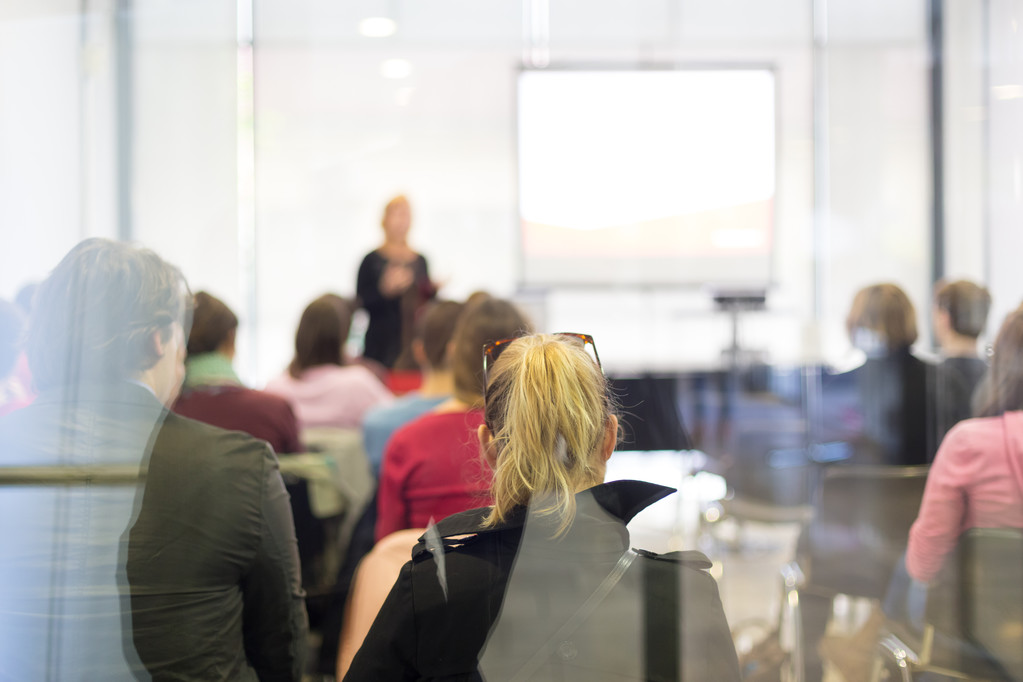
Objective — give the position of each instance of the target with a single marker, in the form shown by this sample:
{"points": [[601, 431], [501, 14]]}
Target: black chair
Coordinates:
{"points": [[974, 616], [859, 531], [651, 419], [770, 480]]}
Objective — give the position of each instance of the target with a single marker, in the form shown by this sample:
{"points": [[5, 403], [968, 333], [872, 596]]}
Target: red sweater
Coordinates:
{"points": [[432, 469]]}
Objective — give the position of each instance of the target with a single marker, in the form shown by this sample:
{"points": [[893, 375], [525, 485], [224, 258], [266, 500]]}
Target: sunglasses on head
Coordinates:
{"points": [[493, 350]]}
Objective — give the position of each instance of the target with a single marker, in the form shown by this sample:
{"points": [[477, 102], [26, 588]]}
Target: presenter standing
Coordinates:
{"points": [[393, 283]]}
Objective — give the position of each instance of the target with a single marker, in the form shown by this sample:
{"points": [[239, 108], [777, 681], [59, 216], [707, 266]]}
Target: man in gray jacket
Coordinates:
{"points": [[134, 543]]}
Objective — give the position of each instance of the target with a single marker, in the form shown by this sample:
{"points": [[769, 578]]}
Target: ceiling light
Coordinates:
{"points": [[395, 68], [377, 27]]}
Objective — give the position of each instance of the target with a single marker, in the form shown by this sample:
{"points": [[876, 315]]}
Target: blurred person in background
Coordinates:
{"points": [[164, 548], [882, 412], [960, 316], [323, 388], [976, 480], [883, 409], [431, 466], [431, 336], [15, 391], [543, 584], [393, 283], [23, 299], [214, 394]]}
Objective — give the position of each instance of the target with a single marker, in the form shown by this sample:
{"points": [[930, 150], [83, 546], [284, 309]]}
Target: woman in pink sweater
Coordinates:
{"points": [[976, 480], [323, 389]]}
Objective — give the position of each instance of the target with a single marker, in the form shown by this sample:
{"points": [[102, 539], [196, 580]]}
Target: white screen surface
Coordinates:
{"points": [[646, 177]]}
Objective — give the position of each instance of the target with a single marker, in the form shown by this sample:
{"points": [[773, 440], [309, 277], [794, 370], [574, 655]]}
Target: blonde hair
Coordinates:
{"points": [[395, 202], [886, 310], [548, 406]]}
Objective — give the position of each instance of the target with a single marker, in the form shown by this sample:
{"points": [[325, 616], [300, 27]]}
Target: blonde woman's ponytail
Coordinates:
{"points": [[547, 407]]}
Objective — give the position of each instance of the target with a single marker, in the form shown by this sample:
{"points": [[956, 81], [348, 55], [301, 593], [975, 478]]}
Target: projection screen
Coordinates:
{"points": [[654, 177]]}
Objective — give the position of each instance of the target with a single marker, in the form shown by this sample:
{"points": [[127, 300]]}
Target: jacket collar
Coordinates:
{"points": [[621, 499]]}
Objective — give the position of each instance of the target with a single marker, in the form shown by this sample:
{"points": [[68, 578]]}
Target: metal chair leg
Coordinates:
{"points": [[897, 653], [792, 580]]}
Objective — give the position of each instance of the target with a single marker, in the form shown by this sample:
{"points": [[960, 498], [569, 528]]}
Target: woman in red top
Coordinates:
{"points": [[432, 466]]}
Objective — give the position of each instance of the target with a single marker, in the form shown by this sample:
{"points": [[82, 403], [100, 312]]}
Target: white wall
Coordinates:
{"points": [[56, 134], [334, 139], [1005, 156]]}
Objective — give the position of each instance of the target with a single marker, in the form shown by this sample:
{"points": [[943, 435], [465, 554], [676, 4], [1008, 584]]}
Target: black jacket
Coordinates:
{"points": [[508, 590], [188, 572], [884, 409]]}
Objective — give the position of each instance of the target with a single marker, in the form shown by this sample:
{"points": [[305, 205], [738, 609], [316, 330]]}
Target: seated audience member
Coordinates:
{"points": [[15, 392], [884, 407], [174, 556], [214, 394], [26, 294], [430, 339], [976, 480], [322, 387], [432, 466], [960, 315], [543, 584]]}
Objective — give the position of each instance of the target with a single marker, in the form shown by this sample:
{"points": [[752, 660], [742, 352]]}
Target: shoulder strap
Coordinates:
{"points": [[661, 611], [527, 671]]}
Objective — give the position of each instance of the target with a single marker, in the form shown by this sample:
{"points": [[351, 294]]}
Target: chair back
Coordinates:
{"points": [[773, 466], [991, 595], [862, 516]]}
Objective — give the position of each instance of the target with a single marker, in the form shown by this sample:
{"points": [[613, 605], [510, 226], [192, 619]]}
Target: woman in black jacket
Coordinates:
{"points": [[543, 584], [393, 283]]}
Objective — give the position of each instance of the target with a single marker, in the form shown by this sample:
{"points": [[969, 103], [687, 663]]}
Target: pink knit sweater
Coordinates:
{"points": [[976, 481], [329, 395]]}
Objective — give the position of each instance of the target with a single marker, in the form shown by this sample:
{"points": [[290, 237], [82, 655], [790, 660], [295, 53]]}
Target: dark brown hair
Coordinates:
{"points": [[1002, 388], [488, 320], [435, 328], [213, 323], [321, 334], [967, 305], [93, 317], [886, 310]]}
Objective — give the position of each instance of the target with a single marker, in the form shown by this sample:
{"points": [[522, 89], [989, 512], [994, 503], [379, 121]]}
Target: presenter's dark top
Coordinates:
{"points": [[478, 602], [390, 319]]}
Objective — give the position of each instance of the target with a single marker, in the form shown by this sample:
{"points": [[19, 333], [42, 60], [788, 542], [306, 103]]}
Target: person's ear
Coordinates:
{"points": [[607, 447], [488, 448], [158, 344], [419, 354]]}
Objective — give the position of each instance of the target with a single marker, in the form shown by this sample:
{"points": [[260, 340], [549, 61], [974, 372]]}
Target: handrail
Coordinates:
{"points": [[106, 474]]}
